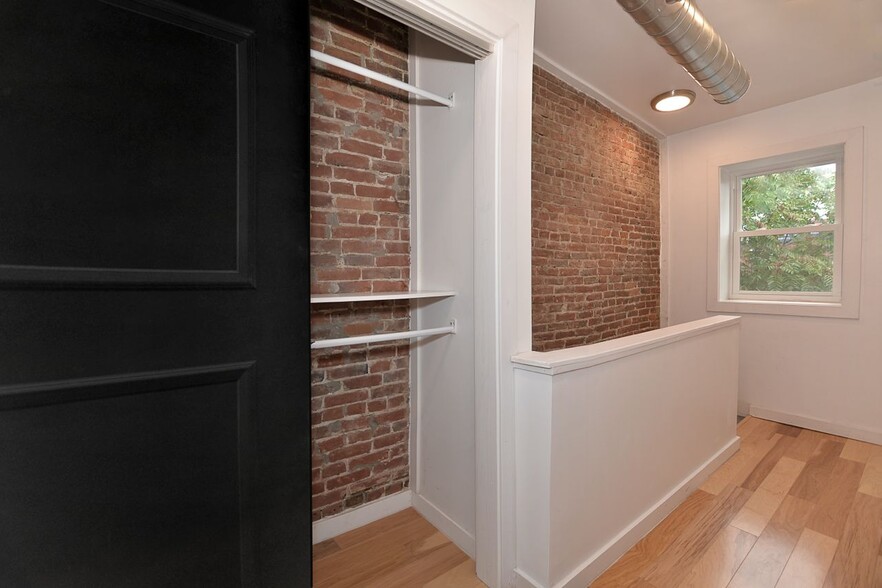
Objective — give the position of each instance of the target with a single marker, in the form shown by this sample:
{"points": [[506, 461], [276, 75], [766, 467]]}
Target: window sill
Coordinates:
{"points": [[788, 308]]}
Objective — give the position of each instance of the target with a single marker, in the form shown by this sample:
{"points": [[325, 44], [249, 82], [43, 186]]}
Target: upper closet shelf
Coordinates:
{"points": [[377, 296], [330, 60]]}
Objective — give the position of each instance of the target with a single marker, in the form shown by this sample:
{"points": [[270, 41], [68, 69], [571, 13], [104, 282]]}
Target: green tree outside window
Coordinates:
{"points": [[788, 262]]}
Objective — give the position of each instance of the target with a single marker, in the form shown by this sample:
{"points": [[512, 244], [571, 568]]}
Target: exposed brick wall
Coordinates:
{"points": [[360, 242], [595, 220]]}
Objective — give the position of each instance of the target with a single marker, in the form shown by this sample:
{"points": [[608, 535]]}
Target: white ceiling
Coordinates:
{"points": [[791, 48]]}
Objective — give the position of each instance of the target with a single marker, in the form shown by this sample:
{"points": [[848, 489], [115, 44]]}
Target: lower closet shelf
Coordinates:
{"points": [[380, 337]]}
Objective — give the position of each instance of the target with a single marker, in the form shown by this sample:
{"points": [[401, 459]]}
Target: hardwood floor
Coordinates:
{"points": [[792, 509], [400, 550]]}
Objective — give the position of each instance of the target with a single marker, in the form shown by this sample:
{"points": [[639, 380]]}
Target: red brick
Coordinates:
{"points": [[350, 451], [353, 395], [595, 220], [333, 469], [356, 146], [360, 220], [347, 479], [347, 160]]}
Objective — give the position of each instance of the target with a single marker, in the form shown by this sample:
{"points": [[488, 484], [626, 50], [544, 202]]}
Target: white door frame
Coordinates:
{"points": [[503, 109]]}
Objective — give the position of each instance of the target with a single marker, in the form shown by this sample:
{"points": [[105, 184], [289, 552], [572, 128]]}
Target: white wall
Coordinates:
{"points": [[612, 437], [819, 372], [443, 391]]}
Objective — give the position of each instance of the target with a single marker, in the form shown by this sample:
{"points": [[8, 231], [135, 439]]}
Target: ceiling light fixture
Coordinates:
{"points": [[673, 100]]}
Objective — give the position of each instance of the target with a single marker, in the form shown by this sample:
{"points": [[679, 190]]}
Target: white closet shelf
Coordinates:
{"points": [[378, 296]]}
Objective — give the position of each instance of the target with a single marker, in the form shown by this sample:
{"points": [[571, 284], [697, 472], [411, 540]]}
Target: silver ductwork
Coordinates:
{"points": [[680, 27]]}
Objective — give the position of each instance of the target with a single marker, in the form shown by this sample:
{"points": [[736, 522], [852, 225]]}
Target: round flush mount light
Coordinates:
{"points": [[673, 100]]}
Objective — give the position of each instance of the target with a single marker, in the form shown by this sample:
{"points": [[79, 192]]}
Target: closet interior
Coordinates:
{"points": [[393, 273]]}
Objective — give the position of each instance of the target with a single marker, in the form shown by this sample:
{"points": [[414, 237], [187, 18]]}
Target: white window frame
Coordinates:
{"points": [[725, 173]]}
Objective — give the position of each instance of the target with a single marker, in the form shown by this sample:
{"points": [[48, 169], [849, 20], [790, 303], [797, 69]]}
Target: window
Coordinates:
{"points": [[785, 237]]}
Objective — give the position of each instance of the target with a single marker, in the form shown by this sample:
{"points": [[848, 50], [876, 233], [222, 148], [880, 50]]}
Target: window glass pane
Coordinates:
{"points": [[801, 262], [792, 198]]}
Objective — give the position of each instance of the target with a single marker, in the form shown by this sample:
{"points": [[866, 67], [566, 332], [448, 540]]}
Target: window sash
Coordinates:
{"points": [[736, 234]]}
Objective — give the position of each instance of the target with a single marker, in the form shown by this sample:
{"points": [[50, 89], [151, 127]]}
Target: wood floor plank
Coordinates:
{"points": [[767, 463], [858, 450], [325, 548], [758, 510], [855, 560], [750, 521], [877, 583], [753, 430], [461, 576], [809, 562], [788, 430], [671, 567], [718, 564], [739, 466], [764, 430], [358, 563], [805, 445], [747, 426], [817, 471], [401, 550], [419, 572], [783, 476], [871, 483], [388, 524], [763, 565], [628, 569], [835, 500]]}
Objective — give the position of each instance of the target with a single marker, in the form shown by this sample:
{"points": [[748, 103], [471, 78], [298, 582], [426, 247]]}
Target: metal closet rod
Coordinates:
{"points": [[330, 60], [450, 329]]}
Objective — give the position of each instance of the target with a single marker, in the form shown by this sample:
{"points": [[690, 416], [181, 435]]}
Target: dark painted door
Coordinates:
{"points": [[154, 336]]}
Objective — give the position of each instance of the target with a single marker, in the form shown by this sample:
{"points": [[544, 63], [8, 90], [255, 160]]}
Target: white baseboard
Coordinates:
{"points": [[607, 555], [358, 517], [462, 538], [850, 431], [523, 580]]}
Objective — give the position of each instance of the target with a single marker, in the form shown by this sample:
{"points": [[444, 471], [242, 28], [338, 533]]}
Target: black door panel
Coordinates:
{"points": [[154, 283]]}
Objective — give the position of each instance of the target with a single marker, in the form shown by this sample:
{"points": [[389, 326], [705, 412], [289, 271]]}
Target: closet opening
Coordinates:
{"points": [[393, 278]]}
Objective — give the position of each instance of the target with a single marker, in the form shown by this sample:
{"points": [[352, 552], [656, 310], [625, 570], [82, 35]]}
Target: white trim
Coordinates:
{"points": [[431, 25], [825, 426], [502, 290], [607, 555], [523, 580], [577, 358], [733, 176], [331, 527], [664, 255], [575, 81], [416, 221], [378, 296], [460, 537], [489, 518]]}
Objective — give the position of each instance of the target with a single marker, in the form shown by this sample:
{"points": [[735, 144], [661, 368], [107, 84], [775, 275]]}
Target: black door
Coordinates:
{"points": [[154, 355]]}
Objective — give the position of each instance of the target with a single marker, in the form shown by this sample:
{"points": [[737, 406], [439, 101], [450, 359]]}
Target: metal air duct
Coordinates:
{"points": [[680, 27]]}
